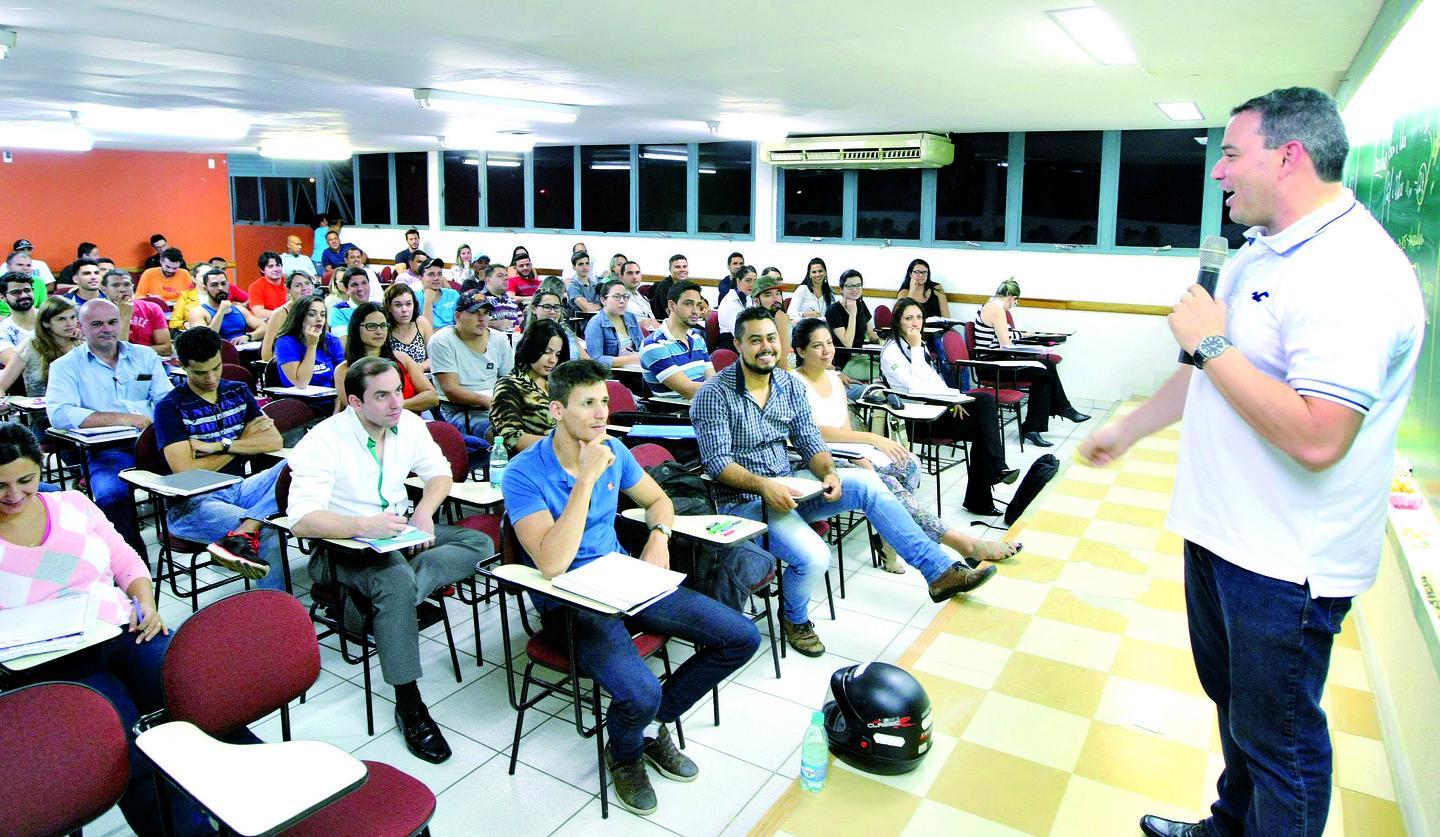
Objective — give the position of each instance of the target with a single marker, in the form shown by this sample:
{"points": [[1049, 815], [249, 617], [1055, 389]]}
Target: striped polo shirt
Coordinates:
{"points": [[663, 355]]}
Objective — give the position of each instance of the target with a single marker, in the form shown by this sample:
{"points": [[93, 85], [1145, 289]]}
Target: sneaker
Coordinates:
{"points": [[802, 637], [669, 762], [959, 579], [631, 784], [239, 552]]}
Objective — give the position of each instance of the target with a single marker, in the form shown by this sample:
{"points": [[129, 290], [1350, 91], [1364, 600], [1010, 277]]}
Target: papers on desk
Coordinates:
{"points": [[621, 582], [302, 392], [193, 482], [99, 434], [249, 346], [52, 625], [861, 451], [408, 537]]}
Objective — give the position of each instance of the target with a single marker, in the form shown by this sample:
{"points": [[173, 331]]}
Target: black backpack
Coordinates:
{"points": [[1041, 472]]}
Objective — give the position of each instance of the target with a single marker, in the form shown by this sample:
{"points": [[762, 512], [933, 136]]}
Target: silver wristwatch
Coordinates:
{"points": [[663, 529], [226, 443], [1210, 348]]}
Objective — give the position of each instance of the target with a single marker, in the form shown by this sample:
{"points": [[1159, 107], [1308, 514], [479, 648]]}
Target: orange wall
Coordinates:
{"points": [[116, 199], [252, 240]]}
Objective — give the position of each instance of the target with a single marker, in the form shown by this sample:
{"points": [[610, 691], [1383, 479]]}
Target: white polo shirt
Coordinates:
{"points": [[1331, 306]]}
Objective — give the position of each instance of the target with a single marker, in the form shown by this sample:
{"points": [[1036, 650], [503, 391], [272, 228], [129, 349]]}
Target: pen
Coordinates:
{"points": [[139, 612]]}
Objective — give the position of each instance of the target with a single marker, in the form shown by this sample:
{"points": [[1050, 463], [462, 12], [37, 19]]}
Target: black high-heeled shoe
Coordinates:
{"points": [[1038, 441]]}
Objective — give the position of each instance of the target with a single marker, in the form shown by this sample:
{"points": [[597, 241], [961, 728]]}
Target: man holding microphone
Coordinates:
{"points": [[1291, 411]]}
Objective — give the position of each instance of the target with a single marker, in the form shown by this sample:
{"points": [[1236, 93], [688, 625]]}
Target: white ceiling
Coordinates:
{"points": [[646, 70]]}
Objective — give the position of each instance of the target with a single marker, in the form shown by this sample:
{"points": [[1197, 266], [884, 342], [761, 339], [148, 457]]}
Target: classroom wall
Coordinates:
{"points": [[1112, 356], [116, 199], [252, 240]]}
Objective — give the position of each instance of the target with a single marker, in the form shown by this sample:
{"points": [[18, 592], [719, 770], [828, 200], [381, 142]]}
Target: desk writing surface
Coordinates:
{"points": [[697, 526], [97, 631], [474, 493], [803, 488], [523, 575]]}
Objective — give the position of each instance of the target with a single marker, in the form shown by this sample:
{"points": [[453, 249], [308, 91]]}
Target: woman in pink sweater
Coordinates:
{"points": [[59, 544]]}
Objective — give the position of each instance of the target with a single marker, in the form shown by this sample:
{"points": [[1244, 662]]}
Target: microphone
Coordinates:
{"points": [[1213, 251]]}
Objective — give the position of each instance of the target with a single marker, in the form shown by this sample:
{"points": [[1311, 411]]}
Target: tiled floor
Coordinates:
{"points": [[1072, 657]]}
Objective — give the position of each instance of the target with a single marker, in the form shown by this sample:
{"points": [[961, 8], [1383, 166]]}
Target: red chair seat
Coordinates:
{"points": [[552, 655], [488, 524], [1004, 397], [821, 527], [390, 802]]}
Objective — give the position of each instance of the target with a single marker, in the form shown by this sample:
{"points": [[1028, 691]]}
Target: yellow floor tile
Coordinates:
{"points": [[1100, 613], [1073, 506], [952, 704], [1107, 555], [998, 787], [1004, 590], [963, 660], [851, 803], [1069, 688], [1347, 668], [932, 818], [1171, 544], [1028, 730], [1164, 595], [1100, 476], [1133, 515], [1168, 457], [1367, 816], [1070, 643], [1092, 808], [1144, 764], [1139, 498], [1146, 482], [1166, 443], [1059, 524], [1165, 470], [1172, 433], [995, 625], [1122, 534], [1080, 488], [1360, 765], [1353, 711], [1155, 663], [1047, 544], [1349, 636], [1029, 567], [1098, 581]]}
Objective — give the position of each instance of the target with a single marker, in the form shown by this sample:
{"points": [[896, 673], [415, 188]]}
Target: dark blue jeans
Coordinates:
{"points": [[113, 495], [725, 640], [1262, 650]]}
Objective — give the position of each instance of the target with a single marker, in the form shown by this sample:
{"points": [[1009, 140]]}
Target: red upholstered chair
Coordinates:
{"points": [[723, 358], [1004, 384], [622, 400], [236, 372], [387, 275], [644, 289], [85, 765], [712, 329], [883, 317], [243, 657], [288, 413], [228, 353], [1050, 356]]}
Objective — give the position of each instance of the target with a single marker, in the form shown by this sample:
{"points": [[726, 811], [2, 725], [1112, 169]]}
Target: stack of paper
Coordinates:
{"points": [[52, 625], [104, 434], [621, 582], [408, 537]]}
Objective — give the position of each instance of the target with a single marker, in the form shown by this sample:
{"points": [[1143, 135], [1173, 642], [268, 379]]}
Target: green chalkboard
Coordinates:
{"points": [[1398, 180]]}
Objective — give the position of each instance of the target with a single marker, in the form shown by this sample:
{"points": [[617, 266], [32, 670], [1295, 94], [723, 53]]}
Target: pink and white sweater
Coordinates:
{"points": [[81, 552]]}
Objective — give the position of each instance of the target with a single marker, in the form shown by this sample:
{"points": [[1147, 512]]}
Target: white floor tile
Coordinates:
{"points": [[336, 715], [492, 802], [466, 756], [759, 804], [481, 710], [755, 726], [705, 806], [621, 823]]}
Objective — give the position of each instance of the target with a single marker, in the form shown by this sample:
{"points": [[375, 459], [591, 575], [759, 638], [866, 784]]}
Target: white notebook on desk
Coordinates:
{"points": [[52, 625], [620, 581]]}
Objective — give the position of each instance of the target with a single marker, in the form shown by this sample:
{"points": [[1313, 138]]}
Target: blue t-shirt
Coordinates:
{"points": [[534, 481], [328, 355], [444, 307], [182, 415]]}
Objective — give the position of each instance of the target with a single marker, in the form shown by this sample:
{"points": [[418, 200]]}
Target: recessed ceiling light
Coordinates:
{"points": [[501, 163], [494, 107], [189, 123], [609, 166], [1097, 33], [1180, 111], [301, 146], [49, 136]]}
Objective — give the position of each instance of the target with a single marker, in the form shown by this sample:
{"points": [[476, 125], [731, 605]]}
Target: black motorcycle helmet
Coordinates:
{"points": [[879, 721]]}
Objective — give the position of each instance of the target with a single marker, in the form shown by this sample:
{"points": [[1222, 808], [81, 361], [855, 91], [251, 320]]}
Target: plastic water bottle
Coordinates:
{"points": [[499, 457], [814, 755]]}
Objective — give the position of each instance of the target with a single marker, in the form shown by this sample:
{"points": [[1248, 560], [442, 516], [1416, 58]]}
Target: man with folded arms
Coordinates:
{"points": [[348, 481], [743, 418], [213, 425], [561, 496]]}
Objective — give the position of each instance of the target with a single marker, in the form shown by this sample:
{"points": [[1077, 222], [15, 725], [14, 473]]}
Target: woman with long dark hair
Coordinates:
{"points": [[521, 409], [409, 332], [813, 297], [306, 352], [920, 286]]}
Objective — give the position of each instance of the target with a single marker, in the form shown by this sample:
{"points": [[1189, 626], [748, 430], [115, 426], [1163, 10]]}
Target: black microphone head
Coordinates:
{"points": [[1213, 252]]}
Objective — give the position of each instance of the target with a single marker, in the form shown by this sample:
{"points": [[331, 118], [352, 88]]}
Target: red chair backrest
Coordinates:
{"points": [[712, 328], [387, 274], [288, 413], [883, 316], [622, 400], [649, 455], [228, 353], [511, 552], [239, 659], [644, 290], [64, 760], [236, 372], [270, 376], [954, 346], [452, 444], [282, 489], [722, 358], [970, 336], [1009, 319]]}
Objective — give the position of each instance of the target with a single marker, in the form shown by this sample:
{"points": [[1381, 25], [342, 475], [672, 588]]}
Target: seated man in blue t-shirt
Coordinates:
{"points": [[674, 357], [561, 495]]}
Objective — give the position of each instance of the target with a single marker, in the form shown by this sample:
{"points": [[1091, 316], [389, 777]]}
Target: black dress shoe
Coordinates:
{"points": [[1008, 476], [990, 512], [1038, 441], [1154, 826], [422, 735], [1072, 414]]}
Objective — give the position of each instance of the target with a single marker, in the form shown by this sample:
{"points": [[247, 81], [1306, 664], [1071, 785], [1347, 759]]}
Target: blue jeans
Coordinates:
{"points": [[1262, 650], [209, 517], [113, 495], [725, 640], [807, 557]]}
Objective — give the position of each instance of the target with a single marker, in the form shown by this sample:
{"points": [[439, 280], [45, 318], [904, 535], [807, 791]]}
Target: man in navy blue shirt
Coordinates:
{"points": [[561, 495]]}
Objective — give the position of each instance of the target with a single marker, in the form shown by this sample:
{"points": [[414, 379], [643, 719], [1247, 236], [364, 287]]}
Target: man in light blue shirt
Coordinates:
{"points": [[107, 383]]}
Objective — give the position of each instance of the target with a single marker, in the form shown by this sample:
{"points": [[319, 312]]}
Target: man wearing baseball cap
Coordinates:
{"points": [[467, 359], [38, 268]]}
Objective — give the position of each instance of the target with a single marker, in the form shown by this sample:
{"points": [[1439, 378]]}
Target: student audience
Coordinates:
{"points": [[849, 321], [141, 321], [581, 287], [87, 282], [437, 299], [464, 266], [409, 334], [160, 245], [919, 286], [333, 256], [38, 266], [674, 356], [614, 333], [525, 282], [85, 250], [733, 303], [768, 294], [20, 263], [679, 268], [639, 305], [19, 323], [294, 258], [370, 336], [733, 263], [215, 310], [562, 498], [467, 359], [505, 315], [306, 354], [520, 412], [336, 470], [549, 304], [412, 247], [614, 272], [298, 286]]}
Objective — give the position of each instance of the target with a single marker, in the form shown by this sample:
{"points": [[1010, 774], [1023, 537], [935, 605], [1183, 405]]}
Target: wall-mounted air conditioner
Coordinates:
{"points": [[874, 151]]}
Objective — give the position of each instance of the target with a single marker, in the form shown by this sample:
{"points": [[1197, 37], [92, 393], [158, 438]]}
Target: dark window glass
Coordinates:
{"points": [[970, 192], [663, 192], [304, 201], [814, 201], [374, 188], [554, 197], [887, 204], [277, 199], [1233, 232], [1162, 183], [725, 181], [340, 190], [605, 188], [247, 198], [412, 206], [504, 189], [461, 195], [1061, 204]]}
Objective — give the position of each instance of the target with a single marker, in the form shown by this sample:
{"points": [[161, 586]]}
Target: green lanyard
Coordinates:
{"points": [[380, 479]]}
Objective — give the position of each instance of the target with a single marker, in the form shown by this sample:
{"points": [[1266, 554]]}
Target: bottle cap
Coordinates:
{"points": [[818, 718]]}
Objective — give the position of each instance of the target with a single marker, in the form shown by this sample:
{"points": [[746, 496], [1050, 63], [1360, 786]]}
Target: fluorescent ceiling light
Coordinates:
{"points": [[673, 156], [1201, 140], [707, 170], [196, 123], [7, 42], [754, 128], [494, 107], [502, 163], [609, 166], [1180, 111], [46, 136], [1096, 32], [481, 141], [305, 147]]}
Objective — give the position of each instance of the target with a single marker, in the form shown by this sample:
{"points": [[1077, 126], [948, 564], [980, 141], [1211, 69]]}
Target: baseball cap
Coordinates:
{"points": [[474, 300], [23, 244], [763, 284]]}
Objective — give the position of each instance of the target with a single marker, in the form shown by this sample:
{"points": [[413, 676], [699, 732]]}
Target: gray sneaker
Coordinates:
{"points": [[631, 784], [669, 762]]}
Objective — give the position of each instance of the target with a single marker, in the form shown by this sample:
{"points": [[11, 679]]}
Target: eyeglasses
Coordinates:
{"points": [[853, 286], [374, 327], [550, 308], [919, 272], [619, 297]]}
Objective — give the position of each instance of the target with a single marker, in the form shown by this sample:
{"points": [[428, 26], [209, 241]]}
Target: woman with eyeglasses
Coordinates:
{"points": [[614, 333], [549, 304], [919, 286], [521, 410], [409, 332], [813, 297], [306, 352], [849, 321], [369, 336]]}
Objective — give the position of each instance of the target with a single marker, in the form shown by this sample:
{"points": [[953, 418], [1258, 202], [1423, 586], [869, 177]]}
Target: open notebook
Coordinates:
{"points": [[56, 624], [622, 582]]}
